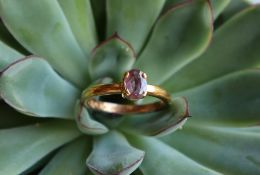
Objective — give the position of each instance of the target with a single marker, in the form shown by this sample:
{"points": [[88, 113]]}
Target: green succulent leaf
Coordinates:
{"points": [[32, 87], [137, 172], [218, 6], [230, 51], [112, 154], [232, 99], [7, 55], [70, 159], [86, 123], [252, 2], [158, 123], [111, 58], [163, 159], [10, 118], [22, 147], [255, 129], [179, 36], [170, 3], [99, 12], [227, 150], [80, 17], [221, 85], [42, 28], [9, 40], [233, 8], [132, 20]]}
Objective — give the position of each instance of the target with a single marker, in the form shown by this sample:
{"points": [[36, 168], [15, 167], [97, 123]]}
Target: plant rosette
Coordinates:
{"points": [[205, 53]]}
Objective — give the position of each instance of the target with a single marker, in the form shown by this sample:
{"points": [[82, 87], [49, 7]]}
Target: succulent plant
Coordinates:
{"points": [[205, 53]]}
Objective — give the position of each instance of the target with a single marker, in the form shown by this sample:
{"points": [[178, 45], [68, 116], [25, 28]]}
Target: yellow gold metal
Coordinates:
{"points": [[127, 92], [110, 89], [126, 74]]}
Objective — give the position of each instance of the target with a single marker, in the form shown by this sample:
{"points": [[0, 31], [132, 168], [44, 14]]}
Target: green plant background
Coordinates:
{"points": [[207, 51]]}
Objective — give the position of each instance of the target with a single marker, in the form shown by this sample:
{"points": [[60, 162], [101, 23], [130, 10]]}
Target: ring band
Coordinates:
{"points": [[88, 96]]}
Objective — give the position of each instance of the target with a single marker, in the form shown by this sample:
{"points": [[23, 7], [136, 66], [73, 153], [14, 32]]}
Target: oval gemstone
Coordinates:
{"points": [[135, 84]]}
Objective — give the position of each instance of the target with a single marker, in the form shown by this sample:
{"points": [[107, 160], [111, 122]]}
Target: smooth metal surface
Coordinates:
{"points": [[110, 89]]}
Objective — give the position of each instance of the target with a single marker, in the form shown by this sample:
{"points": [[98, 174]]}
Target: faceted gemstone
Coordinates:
{"points": [[135, 84]]}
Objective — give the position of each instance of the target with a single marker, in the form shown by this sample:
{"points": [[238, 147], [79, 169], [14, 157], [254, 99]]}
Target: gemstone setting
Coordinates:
{"points": [[134, 85]]}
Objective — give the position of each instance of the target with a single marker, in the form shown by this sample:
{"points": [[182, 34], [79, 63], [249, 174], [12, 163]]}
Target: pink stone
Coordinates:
{"points": [[135, 84]]}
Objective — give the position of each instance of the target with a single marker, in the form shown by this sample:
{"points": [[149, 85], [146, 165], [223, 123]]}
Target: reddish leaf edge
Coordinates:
{"points": [[115, 36], [17, 62], [78, 118], [188, 2], [182, 118], [118, 172]]}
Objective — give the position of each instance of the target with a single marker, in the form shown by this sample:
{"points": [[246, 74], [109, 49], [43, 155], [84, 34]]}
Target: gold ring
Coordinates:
{"points": [[133, 87]]}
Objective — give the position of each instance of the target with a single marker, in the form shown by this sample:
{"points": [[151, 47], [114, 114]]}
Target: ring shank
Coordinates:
{"points": [[110, 89]]}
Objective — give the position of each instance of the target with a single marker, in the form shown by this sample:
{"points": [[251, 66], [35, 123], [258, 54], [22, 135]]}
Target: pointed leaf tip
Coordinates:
{"points": [[115, 36], [228, 50], [111, 58], [133, 19], [86, 123], [159, 123], [52, 39], [179, 36], [31, 86], [112, 154]]}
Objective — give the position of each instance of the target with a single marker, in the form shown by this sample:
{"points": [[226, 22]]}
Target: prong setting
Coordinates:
{"points": [[144, 75], [127, 92], [126, 75], [134, 86]]}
